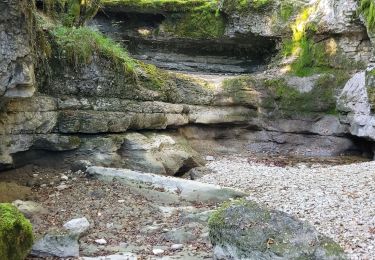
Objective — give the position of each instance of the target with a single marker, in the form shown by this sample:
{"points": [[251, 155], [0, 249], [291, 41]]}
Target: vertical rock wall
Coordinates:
{"points": [[16, 63]]}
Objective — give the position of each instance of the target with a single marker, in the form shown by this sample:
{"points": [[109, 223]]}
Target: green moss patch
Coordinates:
{"points": [[197, 19], [155, 6], [320, 99], [16, 238], [245, 6], [202, 23]]}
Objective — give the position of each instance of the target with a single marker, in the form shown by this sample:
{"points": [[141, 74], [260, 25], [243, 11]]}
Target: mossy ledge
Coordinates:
{"points": [[16, 237], [195, 19]]}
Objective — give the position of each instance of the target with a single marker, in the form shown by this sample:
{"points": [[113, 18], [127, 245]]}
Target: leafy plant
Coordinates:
{"points": [[367, 8], [72, 12]]}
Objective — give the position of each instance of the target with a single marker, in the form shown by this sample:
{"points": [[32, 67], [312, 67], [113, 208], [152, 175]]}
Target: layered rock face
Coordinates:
{"points": [[336, 21], [16, 63], [92, 111]]}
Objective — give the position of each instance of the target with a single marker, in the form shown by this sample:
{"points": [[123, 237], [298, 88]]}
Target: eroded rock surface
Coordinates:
{"points": [[17, 77]]}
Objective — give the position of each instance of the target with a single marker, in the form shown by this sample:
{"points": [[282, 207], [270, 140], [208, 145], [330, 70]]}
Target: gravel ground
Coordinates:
{"points": [[129, 219], [338, 200]]}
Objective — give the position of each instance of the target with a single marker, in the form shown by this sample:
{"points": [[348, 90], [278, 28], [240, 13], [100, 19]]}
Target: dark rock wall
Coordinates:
{"points": [[16, 61]]}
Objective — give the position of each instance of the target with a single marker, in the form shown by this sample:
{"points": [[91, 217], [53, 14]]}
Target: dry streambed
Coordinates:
{"points": [[338, 200]]}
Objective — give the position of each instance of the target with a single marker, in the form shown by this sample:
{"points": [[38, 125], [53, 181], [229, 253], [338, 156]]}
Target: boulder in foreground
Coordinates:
{"points": [[245, 230], [16, 236]]}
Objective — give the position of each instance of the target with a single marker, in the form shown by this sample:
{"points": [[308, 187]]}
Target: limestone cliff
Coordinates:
{"points": [[94, 101]]}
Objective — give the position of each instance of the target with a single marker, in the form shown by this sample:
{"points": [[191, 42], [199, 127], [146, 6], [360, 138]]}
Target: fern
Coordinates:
{"points": [[367, 8]]}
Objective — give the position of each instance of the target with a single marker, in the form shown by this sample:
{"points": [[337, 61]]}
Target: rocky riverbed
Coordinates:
{"points": [[337, 200], [335, 195]]}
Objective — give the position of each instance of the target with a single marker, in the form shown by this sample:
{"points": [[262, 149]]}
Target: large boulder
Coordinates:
{"points": [[159, 153], [245, 230], [355, 103], [16, 236]]}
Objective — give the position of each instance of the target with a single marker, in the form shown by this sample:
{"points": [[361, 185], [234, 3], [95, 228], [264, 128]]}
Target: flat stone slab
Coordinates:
{"points": [[124, 256], [186, 189]]}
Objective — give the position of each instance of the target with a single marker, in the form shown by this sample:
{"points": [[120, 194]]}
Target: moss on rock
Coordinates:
{"points": [[320, 99], [155, 6], [16, 236], [202, 23], [245, 6], [245, 230]]}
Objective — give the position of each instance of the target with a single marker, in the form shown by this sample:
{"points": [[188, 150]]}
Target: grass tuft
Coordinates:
{"points": [[367, 8]]}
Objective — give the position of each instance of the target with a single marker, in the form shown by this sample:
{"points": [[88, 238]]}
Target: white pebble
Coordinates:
{"points": [[101, 241], [177, 246], [157, 251]]}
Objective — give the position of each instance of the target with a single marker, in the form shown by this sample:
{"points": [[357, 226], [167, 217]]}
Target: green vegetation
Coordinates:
{"points": [[243, 6], [16, 236], [184, 18], [367, 8], [370, 79], [202, 23], [286, 10], [157, 6], [72, 12], [226, 224], [320, 99], [332, 249], [309, 56], [80, 45]]}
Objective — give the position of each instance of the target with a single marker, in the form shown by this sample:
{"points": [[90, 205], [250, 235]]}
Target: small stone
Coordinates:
{"points": [[157, 251], [43, 185], [101, 241], [35, 175], [121, 201], [109, 225], [210, 158], [77, 226], [62, 187], [64, 177], [177, 246]]}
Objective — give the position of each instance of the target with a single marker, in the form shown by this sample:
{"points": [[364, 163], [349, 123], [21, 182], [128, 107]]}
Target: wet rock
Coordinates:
{"points": [[77, 226], [243, 229], [60, 245]]}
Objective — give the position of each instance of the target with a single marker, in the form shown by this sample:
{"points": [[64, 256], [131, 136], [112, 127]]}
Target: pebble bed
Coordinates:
{"points": [[338, 200]]}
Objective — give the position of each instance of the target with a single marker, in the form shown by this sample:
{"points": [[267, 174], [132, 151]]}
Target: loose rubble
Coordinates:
{"points": [[337, 200]]}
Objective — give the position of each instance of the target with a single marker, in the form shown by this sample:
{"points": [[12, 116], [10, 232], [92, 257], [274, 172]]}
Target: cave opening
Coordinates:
{"points": [[142, 35]]}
